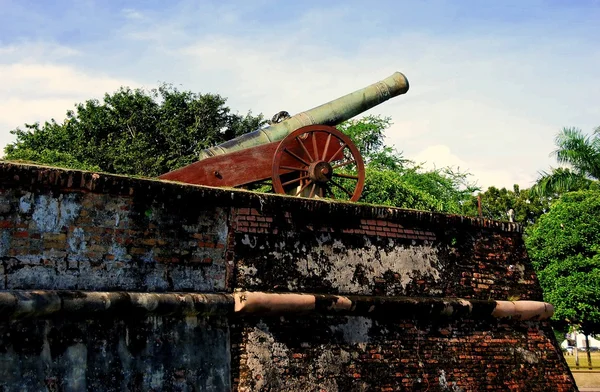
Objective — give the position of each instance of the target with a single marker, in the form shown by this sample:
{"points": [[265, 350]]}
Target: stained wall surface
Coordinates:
{"points": [[72, 230]]}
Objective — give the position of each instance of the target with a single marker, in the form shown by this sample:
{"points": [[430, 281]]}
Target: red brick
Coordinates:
{"points": [[21, 234]]}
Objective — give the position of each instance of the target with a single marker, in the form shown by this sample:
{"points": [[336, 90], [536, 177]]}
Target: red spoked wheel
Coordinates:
{"points": [[318, 161]]}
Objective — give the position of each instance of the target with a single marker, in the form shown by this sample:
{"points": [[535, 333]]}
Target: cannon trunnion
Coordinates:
{"points": [[303, 155]]}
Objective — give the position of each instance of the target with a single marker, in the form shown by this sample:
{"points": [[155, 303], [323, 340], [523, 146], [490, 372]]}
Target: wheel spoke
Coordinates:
{"points": [[326, 146], [343, 164], [294, 168], [337, 152], [314, 143], [294, 180], [310, 158], [297, 157], [342, 175], [303, 187], [312, 191], [341, 187]]}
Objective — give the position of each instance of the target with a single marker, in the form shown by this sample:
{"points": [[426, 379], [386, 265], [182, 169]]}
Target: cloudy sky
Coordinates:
{"points": [[492, 82]]}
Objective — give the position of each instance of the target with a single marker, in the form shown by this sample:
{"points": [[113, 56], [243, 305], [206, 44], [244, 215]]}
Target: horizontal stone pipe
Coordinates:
{"points": [[402, 307], [18, 304]]}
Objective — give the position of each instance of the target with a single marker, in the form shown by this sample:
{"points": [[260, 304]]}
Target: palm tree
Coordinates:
{"points": [[581, 153]]}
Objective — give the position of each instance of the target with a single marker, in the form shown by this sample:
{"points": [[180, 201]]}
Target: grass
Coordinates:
{"points": [[583, 364]]}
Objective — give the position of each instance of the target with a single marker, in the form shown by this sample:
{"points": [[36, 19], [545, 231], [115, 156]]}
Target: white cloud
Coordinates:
{"points": [[38, 92], [130, 13], [35, 52], [487, 173], [30, 80]]}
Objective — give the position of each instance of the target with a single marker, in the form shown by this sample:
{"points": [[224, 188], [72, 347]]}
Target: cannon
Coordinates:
{"points": [[303, 155]]}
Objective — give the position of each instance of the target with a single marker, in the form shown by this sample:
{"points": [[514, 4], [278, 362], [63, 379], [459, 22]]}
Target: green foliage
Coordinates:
{"points": [[561, 180], [564, 246], [367, 133], [395, 181], [495, 204], [134, 132], [46, 145], [582, 154], [410, 187], [386, 187]]}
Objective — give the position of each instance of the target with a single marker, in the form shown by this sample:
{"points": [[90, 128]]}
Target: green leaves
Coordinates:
{"points": [[135, 132], [495, 203], [582, 154], [52, 158], [564, 246]]}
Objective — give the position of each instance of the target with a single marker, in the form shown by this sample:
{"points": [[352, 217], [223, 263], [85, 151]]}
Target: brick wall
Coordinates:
{"points": [[60, 239], [401, 253], [75, 230], [364, 354]]}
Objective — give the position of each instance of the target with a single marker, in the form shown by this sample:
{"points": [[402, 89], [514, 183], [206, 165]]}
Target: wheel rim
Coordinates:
{"points": [[318, 161]]}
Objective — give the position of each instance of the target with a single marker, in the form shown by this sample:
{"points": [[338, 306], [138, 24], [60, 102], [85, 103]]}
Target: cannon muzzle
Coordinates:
{"points": [[330, 113]]}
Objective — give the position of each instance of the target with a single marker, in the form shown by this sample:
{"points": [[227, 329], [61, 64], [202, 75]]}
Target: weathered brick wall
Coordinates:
{"points": [[56, 234], [82, 231], [399, 253], [365, 354], [352, 250]]}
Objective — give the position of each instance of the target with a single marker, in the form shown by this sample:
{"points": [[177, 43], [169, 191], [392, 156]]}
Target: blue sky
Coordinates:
{"points": [[491, 82]]}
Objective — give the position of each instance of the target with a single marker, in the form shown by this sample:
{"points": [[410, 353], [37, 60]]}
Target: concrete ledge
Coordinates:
{"points": [[19, 304], [41, 303]]}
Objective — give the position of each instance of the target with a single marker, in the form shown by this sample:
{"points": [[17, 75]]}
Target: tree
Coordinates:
{"points": [[495, 204], [564, 246], [396, 181], [367, 133], [581, 153], [147, 133], [134, 132]]}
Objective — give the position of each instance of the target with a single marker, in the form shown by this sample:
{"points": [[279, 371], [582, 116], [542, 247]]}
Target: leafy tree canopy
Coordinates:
{"points": [[134, 132], [582, 154], [495, 204], [564, 246]]}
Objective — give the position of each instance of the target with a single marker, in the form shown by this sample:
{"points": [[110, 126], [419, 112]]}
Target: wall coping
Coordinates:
{"points": [[32, 177]]}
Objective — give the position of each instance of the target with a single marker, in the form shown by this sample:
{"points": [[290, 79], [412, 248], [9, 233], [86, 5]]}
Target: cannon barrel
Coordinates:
{"points": [[330, 113]]}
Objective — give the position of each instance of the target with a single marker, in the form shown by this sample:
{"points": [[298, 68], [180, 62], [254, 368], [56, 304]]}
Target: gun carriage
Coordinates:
{"points": [[303, 155]]}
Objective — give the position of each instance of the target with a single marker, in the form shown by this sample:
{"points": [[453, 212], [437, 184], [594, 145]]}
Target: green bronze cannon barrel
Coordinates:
{"points": [[330, 113]]}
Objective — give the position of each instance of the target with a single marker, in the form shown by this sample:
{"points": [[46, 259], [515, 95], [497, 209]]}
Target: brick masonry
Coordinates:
{"points": [[62, 229], [348, 254], [364, 354]]}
